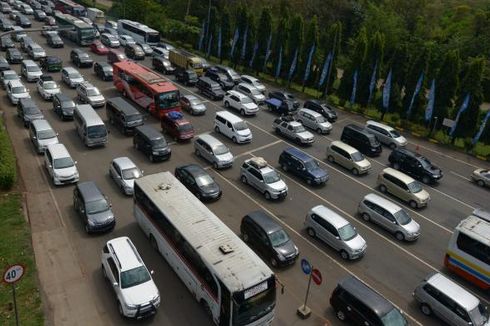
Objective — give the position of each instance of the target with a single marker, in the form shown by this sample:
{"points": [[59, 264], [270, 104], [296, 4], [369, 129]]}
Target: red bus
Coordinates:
{"points": [[70, 7], [146, 87]]}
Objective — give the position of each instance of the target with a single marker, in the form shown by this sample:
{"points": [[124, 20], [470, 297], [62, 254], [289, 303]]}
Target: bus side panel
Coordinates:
{"points": [[466, 272]]}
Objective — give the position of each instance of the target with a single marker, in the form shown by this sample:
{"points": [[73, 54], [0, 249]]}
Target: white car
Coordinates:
{"points": [[109, 40], [136, 293], [252, 92], [250, 80], [61, 167], [71, 77], [8, 75], [16, 90], [123, 171], [88, 93], [126, 40], [47, 87], [240, 102]]}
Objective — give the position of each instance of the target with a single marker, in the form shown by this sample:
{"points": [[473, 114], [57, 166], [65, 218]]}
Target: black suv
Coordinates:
{"points": [[415, 165], [23, 21], [51, 63], [268, 239], [13, 55], [187, 77], [28, 111], [198, 181], [210, 88], [151, 142], [302, 165], [361, 139], [162, 65], [104, 71], [54, 41], [223, 80], [81, 58], [284, 96], [323, 108], [63, 106]]}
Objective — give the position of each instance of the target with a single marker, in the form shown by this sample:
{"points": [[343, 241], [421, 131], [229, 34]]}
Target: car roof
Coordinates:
{"points": [[89, 191], [228, 116], [329, 215], [238, 94], [15, 83], [349, 149], [265, 221], [210, 140], [246, 85], [126, 253], [311, 112], [70, 69], [298, 154], [295, 123], [63, 97], [191, 97], [462, 297], [28, 62], [27, 102], [194, 169], [58, 151], [41, 124], [410, 153], [399, 175], [385, 203], [378, 124], [149, 131], [124, 162]]}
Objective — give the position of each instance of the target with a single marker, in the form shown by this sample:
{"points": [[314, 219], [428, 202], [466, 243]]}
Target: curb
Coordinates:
{"points": [[432, 140], [416, 134], [483, 158]]}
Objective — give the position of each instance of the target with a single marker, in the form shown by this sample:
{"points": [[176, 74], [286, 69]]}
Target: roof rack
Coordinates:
{"points": [[258, 162]]}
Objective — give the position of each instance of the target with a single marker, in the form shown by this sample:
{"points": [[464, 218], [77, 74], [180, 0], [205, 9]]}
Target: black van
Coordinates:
{"points": [[414, 165], [123, 115], [152, 143], [302, 165], [357, 303], [358, 137], [210, 88], [268, 238], [186, 76], [63, 106]]}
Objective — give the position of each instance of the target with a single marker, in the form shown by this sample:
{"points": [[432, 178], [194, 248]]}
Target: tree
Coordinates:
{"points": [[370, 67], [311, 39], [398, 63], [472, 85], [447, 82], [242, 22], [331, 41], [225, 34], [264, 32], [211, 30], [281, 39], [295, 43]]}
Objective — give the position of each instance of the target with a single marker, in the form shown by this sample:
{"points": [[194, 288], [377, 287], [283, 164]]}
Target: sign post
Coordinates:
{"points": [[315, 275], [11, 275]]}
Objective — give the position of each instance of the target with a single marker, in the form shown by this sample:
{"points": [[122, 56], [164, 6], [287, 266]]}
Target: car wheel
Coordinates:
{"points": [[152, 159], [311, 232], [242, 112], [120, 309], [298, 140], [382, 188], [396, 166], [309, 181], [234, 139], [413, 204], [215, 165], [330, 159], [340, 315], [227, 105], [392, 146], [197, 152], [104, 272], [425, 309], [216, 129], [136, 146], [426, 179], [365, 217], [355, 171], [274, 262], [267, 195], [284, 167], [344, 255], [399, 236], [480, 183], [87, 228], [244, 179], [245, 237], [319, 131], [278, 131]]}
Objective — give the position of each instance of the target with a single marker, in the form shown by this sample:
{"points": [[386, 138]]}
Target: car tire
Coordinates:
{"points": [[234, 139], [298, 141], [366, 217], [284, 167], [319, 131], [392, 146], [104, 272], [244, 179], [426, 180], [382, 188], [355, 171], [426, 310], [216, 129], [227, 105], [413, 204], [197, 152], [136, 147], [399, 236], [311, 232], [242, 112], [396, 166], [152, 159], [340, 315], [344, 255], [87, 228], [215, 166], [274, 262], [330, 159], [245, 237], [480, 183], [267, 195], [309, 181], [120, 309]]}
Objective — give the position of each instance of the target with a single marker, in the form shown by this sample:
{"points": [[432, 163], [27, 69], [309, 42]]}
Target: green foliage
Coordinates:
{"points": [[371, 66], [8, 168], [295, 41], [447, 82], [226, 35], [419, 65], [264, 30]]}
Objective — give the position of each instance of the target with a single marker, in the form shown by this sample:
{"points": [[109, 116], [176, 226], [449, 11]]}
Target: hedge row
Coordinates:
{"points": [[8, 167]]}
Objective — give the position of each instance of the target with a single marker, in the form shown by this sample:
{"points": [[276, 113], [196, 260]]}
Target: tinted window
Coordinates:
{"points": [[474, 248]]}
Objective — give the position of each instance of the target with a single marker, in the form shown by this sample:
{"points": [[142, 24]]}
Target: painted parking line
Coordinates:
{"points": [[460, 176]]}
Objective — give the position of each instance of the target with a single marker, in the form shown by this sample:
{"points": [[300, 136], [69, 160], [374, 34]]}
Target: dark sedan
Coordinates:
{"points": [[198, 181], [14, 56], [284, 96], [103, 70]]}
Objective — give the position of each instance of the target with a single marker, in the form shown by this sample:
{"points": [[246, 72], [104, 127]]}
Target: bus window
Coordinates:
{"points": [[166, 100]]}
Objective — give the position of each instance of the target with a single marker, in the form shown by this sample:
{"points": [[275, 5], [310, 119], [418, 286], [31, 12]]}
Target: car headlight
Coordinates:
{"points": [[90, 222], [130, 306]]}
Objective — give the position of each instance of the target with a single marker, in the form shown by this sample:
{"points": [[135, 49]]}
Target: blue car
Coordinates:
{"points": [[303, 166]]}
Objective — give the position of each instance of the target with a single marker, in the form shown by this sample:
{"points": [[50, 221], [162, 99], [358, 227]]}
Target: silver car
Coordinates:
{"points": [[42, 135], [260, 175], [88, 93], [252, 92], [193, 104], [71, 77], [389, 216], [386, 134], [481, 177], [213, 151], [8, 75], [314, 121], [123, 171]]}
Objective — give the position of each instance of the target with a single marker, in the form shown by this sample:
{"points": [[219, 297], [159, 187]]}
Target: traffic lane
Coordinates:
{"points": [[385, 265]]}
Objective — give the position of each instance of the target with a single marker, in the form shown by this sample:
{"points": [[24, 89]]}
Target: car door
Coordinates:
{"points": [[442, 306], [207, 152], [255, 178], [344, 158], [113, 276], [228, 130], [117, 174]]}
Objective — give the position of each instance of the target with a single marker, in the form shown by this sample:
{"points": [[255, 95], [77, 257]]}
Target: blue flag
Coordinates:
{"points": [[219, 42], [244, 44], [372, 83], [279, 63], [267, 51], [482, 128], [415, 92], [430, 104], [256, 47], [308, 64], [354, 87], [326, 68], [201, 37], [233, 43], [387, 92], [463, 108], [293, 65], [210, 43]]}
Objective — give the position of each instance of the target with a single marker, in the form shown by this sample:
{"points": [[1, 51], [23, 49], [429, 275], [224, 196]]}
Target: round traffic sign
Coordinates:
{"points": [[316, 276], [13, 273], [305, 266]]}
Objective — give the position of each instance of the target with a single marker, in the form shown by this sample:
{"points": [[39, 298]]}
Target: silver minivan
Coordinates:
{"points": [[90, 126], [389, 216], [386, 134], [232, 127], [335, 231], [42, 135], [443, 298], [314, 121], [347, 156], [213, 151], [30, 70]]}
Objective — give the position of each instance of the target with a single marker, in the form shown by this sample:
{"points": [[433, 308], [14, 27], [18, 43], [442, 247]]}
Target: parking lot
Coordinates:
{"points": [[391, 267]]}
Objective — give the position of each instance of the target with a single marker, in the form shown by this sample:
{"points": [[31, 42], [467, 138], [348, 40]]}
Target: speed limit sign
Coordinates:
{"points": [[13, 273]]}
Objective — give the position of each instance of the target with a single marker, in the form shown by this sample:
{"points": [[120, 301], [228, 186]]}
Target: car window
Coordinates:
{"points": [[113, 269]]}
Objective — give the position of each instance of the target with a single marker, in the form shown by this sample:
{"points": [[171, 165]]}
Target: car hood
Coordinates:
{"points": [[422, 195], [278, 185], [356, 243], [66, 172], [34, 116], [199, 107], [364, 163], [52, 91], [318, 173], [244, 133], [259, 97], [49, 141], [141, 293], [97, 98], [412, 227], [250, 106], [210, 189], [326, 125], [21, 95], [260, 87], [401, 140], [76, 80], [434, 170], [102, 217], [305, 135], [85, 59], [287, 249], [129, 183], [225, 157]]}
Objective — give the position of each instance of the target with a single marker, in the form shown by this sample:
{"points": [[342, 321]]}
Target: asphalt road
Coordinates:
{"points": [[391, 267]]}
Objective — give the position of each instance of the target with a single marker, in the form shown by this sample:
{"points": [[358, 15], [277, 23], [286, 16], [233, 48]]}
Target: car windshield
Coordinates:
{"points": [[479, 315], [63, 163], [402, 217], [129, 174], [485, 174], [97, 131], [168, 99], [37, 50], [75, 75], [68, 104], [240, 125], [425, 162], [195, 101], [159, 142], [31, 110], [46, 134], [347, 232], [134, 277], [298, 129], [394, 318], [271, 177], [93, 92], [357, 156], [185, 127], [311, 165], [394, 133], [278, 238], [10, 76], [220, 149], [204, 180], [414, 187], [50, 85], [97, 206], [18, 89], [246, 100], [33, 69], [107, 69]]}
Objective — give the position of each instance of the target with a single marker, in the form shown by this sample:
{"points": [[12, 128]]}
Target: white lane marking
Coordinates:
{"points": [[459, 175], [306, 240]]}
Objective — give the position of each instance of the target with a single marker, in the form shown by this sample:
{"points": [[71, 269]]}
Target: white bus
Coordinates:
{"points": [[230, 281], [139, 32]]}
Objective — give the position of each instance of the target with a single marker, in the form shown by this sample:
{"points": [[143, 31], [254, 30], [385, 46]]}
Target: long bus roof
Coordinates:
{"points": [[239, 269], [476, 228], [154, 80], [71, 20], [143, 27], [70, 3]]}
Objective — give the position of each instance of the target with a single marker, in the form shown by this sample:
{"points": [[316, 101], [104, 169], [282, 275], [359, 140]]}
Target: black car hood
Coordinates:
{"points": [[211, 189], [287, 249]]}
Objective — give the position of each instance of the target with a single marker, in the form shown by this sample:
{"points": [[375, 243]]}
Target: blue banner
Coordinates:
{"points": [[430, 104], [482, 128], [210, 43], [233, 43], [244, 44], [308, 64], [256, 47], [387, 92], [201, 37], [354, 87], [293, 65], [219, 43], [326, 69], [279, 64], [463, 108], [267, 51], [372, 83], [415, 92]]}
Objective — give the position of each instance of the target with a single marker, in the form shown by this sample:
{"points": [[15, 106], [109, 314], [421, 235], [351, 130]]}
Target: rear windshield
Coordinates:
{"points": [[97, 131]]}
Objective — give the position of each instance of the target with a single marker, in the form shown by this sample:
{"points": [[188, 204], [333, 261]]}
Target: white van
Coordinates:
{"points": [[61, 167], [90, 126], [232, 127], [42, 135]]}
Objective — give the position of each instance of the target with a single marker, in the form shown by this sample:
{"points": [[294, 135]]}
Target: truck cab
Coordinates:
{"points": [[174, 124]]}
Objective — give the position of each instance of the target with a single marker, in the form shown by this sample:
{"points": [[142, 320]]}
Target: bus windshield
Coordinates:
{"points": [[167, 100], [246, 311], [87, 33], [152, 38]]}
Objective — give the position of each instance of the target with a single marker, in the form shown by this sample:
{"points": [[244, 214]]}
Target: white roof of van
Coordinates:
{"points": [[335, 219], [454, 291]]}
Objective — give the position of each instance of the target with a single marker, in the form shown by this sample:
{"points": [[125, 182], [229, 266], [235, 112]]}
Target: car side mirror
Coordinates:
{"points": [[34, 137], [76, 162], [337, 237], [115, 284], [50, 166], [152, 272], [262, 181]]}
